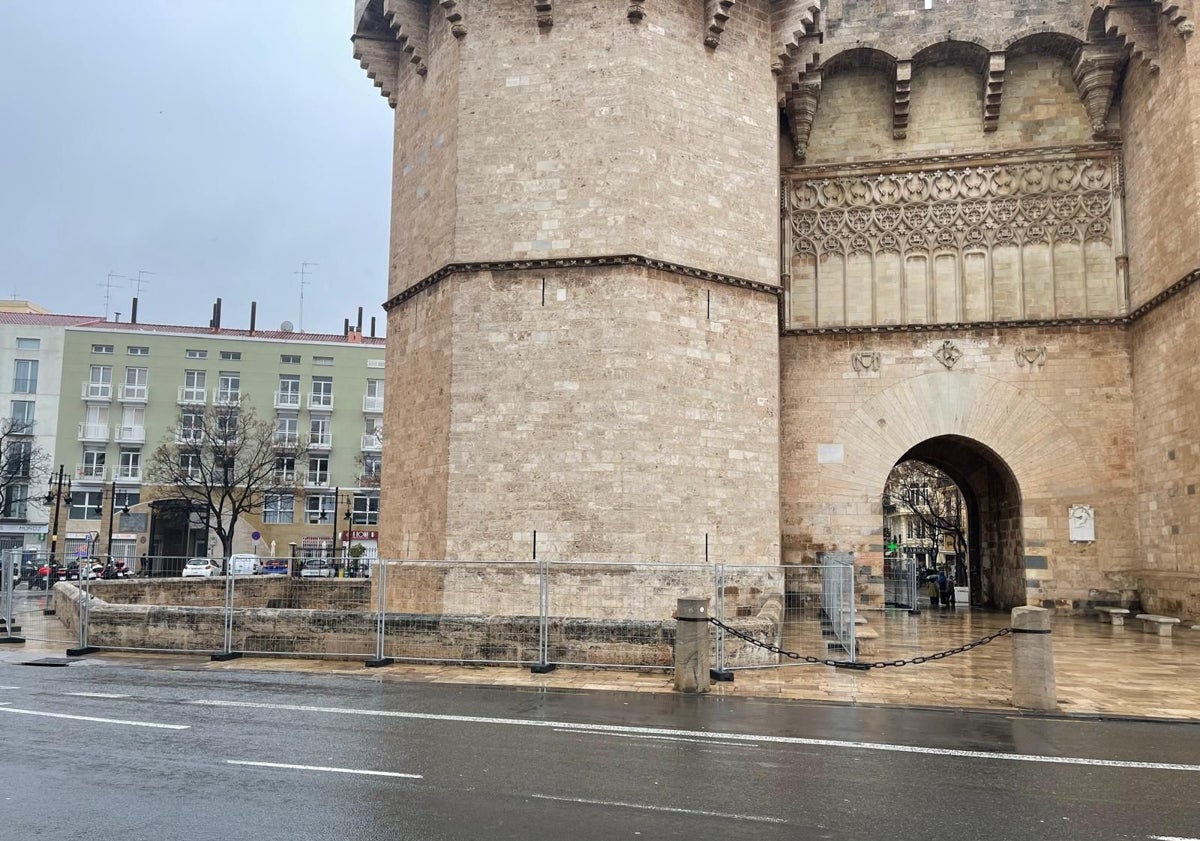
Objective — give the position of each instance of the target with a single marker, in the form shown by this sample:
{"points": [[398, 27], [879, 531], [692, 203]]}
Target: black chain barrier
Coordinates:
{"points": [[862, 667]]}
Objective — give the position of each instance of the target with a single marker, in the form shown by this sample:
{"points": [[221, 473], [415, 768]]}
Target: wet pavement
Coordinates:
{"points": [[1101, 670]]}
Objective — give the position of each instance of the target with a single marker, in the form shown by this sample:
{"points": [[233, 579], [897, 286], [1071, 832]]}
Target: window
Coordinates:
{"points": [[25, 376], [323, 360], [138, 351], [190, 465], [318, 470], [191, 427], [135, 384], [287, 430], [28, 344], [374, 363], [231, 355], [372, 463], [285, 470], [21, 417], [99, 384], [373, 399], [319, 434], [372, 438], [288, 394], [289, 359], [227, 426], [193, 389], [196, 354], [133, 424], [87, 505], [229, 387], [278, 508], [93, 464], [322, 393], [129, 464], [318, 508], [95, 422], [102, 348], [16, 502], [366, 510], [18, 458]]}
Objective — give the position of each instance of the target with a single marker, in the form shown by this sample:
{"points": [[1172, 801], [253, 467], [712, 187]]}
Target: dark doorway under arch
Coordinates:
{"points": [[995, 535]]}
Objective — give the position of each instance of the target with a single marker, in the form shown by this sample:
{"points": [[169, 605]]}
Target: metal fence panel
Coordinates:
{"points": [[837, 597], [35, 603], [777, 605], [462, 611]]}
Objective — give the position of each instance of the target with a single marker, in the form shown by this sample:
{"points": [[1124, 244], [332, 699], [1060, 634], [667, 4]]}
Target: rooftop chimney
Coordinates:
{"points": [[133, 311], [253, 315], [372, 327], [217, 315], [358, 324]]}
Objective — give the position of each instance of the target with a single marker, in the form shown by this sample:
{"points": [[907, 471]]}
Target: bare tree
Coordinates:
{"points": [[933, 498], [23, 466], [224, 459]]}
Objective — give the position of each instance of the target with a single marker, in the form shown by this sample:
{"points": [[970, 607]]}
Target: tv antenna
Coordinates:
{"points": [[108, 285], [138, 282], [304, 281]]}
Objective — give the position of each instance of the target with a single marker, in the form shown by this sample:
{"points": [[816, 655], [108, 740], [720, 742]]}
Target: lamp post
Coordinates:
{"points": [[55, 494], [112, 504]]}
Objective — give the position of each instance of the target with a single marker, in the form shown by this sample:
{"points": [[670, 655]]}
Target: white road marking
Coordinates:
{"points": [[648, 808], [325, 768], [618, 730], [10, 687], [671, 739], [99, 720], [95, 695], [1171, 838]]}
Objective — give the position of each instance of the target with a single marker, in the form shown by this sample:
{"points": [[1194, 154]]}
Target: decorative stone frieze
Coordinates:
{"points": [[718, 13], [410, 25], [948, 354], [1032, 356]]}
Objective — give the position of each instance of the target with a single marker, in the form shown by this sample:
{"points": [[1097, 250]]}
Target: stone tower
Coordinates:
{"points": [[663, 269]]}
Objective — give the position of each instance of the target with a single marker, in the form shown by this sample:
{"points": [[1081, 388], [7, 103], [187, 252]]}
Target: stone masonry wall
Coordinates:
{"points": [[1064, 429], [624, 418]]}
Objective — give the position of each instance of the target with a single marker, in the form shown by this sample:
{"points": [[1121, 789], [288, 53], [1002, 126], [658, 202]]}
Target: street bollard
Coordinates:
{"points": [[1033, 660], [691, 645]]}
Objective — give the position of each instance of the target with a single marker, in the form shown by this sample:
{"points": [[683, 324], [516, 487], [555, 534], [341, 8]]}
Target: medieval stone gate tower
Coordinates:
{"points": [[663, 269]]}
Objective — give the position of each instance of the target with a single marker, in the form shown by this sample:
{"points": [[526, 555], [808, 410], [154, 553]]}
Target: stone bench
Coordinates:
{"points": [[1162, 625], [1113, 615]]}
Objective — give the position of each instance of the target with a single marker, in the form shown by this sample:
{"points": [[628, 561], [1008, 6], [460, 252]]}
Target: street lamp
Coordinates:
{"points": [[55, 494], [112, 502]]}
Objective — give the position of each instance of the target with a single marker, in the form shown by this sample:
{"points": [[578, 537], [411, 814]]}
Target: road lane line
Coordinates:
{"points": [[712, 736], [666, 739], [98, 720], [96, 695], [1171, 838], [701, 812], [325, 768]]}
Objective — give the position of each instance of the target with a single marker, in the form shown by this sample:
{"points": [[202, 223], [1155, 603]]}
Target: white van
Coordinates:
{"points": [[244, 564]]}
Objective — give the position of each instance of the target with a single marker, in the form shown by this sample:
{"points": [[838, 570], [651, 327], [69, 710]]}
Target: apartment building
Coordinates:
{"points": [[31, 355], [129, 387]]}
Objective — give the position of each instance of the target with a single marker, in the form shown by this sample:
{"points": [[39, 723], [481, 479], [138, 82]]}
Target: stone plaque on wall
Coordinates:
{"points": [[1082, 520]]}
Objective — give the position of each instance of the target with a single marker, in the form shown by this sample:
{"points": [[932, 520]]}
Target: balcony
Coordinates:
{"points": [[134, 393], [188, 435], [285, 477], [224, 397], [287, 440], [321, 402], [320, 441], [131, 434], [372, 404], [190, 396], [372, 442], [128, 473], [90, 472], [287, 400], [369, 479], [95, 432], [317, 479], [97, 391]]}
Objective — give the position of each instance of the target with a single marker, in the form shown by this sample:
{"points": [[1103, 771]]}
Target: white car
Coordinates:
{"points": [[317, 568], [201, 568]]}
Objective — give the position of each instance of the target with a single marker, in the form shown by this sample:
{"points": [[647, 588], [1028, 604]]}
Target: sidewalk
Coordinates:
{"points": [[1100, 670]]}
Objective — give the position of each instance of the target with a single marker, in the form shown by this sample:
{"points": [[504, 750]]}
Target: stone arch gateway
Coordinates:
{"points": [[662, 271]]}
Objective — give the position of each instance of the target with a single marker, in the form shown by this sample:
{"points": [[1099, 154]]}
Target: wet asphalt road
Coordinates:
{"points": [[529, 764]]}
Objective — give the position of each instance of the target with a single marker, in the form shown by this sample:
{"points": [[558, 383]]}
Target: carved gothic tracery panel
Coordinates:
{"points": [[1022, 240]]}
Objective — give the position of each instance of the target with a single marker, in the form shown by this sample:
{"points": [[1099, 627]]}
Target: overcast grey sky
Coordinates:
{"points": [[217, 144]]}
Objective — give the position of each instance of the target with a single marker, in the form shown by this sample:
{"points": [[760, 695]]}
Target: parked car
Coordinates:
{"points": [[275, 566], [244, 564], [201, 568], [317, 568]]}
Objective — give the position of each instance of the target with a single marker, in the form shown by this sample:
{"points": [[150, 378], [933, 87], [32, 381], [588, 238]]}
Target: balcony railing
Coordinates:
{"points": [[128, 473], [189, 396], [320, 401], [372, 404], [131, 434], [369, 479], [92, 472], [317, 479], [222, 397], [135, 393], [320, 441], [372, 442], [97, 391], [93, 432], [188, 435], [287, 440], [287, 400], [285, 477]]}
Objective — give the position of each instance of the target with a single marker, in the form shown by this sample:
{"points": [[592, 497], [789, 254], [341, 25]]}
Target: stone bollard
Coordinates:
{"points": [[1033, 660], [691, 645]]}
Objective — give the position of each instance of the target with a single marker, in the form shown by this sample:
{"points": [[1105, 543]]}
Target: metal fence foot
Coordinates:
{"points": [[376, 662], [542, 668], [49, 612], [9, 629], [721, 675], [232, 655], [79, 652], [13, 640]]}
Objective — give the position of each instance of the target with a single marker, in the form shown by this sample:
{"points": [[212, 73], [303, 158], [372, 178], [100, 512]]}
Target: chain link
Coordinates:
{"points": [[847, 664]]}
